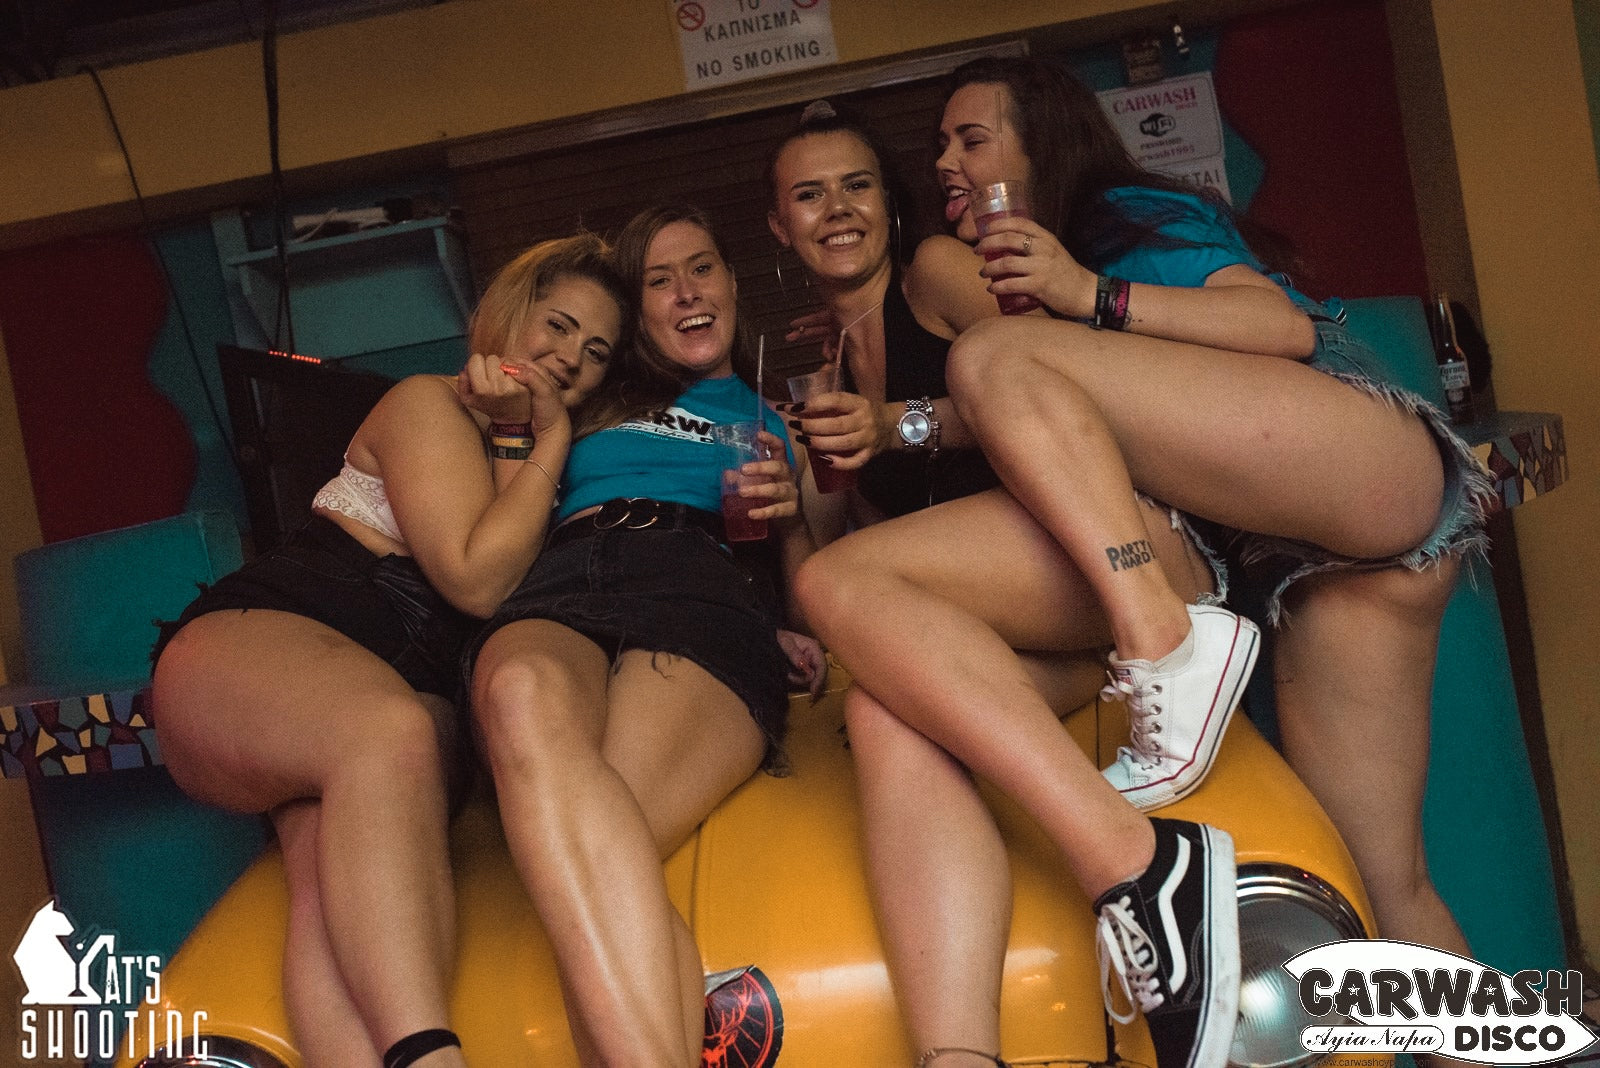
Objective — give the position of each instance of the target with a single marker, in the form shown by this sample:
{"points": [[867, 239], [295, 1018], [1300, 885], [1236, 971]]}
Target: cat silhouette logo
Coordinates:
{"points": [[55, 963]]}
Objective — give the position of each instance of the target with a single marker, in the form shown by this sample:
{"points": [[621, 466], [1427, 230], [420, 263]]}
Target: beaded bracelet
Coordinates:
{"points": [[1111, 302]]}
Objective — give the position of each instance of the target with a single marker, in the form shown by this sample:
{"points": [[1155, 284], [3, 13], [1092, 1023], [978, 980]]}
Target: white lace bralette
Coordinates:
{"points": [[361, 497]]}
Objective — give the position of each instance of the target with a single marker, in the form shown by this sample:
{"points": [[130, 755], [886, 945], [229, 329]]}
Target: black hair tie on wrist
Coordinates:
{"points": [[418, 1045]]}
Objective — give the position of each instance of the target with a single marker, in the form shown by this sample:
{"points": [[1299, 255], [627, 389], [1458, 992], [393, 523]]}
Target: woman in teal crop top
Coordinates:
{"points": [[635, 678]]}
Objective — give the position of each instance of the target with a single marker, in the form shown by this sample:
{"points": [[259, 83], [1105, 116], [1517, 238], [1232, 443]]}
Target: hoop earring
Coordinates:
{"points": [[777, 263], [899, 253]]}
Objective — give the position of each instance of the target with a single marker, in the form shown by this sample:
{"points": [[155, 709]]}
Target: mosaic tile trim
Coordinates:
{"points": [[77, 735], [1525, 452]]}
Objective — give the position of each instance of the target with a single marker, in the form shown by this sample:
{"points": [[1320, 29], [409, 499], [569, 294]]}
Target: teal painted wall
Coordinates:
{"points": [[183, 361]]}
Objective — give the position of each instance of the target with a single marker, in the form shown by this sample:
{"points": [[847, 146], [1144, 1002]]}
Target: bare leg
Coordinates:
{"points": [[545, 696], [981, 578], [945, 949], [928, 831], [1354, 692], [261, 708], [1254, 442], [327, 1026], [655, 731]]}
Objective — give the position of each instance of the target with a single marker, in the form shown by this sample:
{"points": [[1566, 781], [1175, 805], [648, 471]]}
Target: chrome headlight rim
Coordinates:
{"points": [[222, 1051], [1265, 879], [1274, 893]]}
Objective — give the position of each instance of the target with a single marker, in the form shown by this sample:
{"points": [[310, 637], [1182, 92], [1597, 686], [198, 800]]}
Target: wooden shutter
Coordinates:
{"points": [[716, 165]]}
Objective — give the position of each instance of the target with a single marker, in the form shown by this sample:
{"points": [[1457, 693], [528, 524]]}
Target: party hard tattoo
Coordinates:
{"points": [[1133, 554]]}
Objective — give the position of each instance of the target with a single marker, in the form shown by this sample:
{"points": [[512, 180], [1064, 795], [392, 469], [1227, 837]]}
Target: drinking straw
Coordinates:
{"points": [[838, 360], [761, 362], [1000, 126]]}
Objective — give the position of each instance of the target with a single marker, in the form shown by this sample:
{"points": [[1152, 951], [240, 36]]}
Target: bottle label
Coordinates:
{"points": [[1454, 375]]}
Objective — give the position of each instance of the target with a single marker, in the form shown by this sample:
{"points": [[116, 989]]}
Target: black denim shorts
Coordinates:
{"points": [[670, 591], [382, 603]]}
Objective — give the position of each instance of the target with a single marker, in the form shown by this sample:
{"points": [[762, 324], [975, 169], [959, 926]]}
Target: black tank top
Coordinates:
{"points": [[900, 481]]}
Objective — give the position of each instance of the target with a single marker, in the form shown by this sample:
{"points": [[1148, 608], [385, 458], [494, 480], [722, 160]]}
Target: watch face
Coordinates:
{"points": [[915, 428]]}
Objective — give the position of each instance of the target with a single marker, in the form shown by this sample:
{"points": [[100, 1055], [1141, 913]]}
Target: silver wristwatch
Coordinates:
{"points": [[919, 428]]}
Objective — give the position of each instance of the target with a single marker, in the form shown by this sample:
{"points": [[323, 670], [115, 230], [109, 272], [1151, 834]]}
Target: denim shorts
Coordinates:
{"points": [[1271, 564], [669, 591], [382, 603]]}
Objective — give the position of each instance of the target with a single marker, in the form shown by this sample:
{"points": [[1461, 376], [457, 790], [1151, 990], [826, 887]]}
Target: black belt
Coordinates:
{"points": [[640, 513]]}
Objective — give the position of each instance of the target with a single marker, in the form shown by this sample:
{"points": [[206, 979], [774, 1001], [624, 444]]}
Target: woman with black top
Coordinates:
{"points": [[938, 871]]}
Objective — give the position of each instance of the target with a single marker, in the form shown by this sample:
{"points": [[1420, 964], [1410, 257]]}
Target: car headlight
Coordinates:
{"points": [[221, 1052], [1283, 911]]}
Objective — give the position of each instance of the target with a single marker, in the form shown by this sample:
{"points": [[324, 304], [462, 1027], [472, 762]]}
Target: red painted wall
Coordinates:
{"points": [[105, 449], [1312, 90]]}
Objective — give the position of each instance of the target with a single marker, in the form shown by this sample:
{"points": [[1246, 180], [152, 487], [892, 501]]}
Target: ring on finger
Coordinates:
{"points": [[1027, 244]]}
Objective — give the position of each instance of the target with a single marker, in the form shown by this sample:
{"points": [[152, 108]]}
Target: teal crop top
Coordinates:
{"points": [[668, 455], [1215, 243]]}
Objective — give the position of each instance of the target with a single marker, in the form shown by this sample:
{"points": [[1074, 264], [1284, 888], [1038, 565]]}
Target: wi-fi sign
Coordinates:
{"points": [[1155, 124]]}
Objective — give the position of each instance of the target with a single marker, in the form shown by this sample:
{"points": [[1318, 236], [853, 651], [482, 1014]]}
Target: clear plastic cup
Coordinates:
{"points": [[1003, 200], [741, 444], [829, 479]]}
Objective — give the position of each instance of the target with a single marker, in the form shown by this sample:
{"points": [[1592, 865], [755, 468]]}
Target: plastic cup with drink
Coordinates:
{"points": [[1003, 200], [829, 479], [741, 444]]}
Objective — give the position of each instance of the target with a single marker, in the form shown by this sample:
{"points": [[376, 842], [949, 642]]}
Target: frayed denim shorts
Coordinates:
{"points": [[1271, 565], [677, 592]]}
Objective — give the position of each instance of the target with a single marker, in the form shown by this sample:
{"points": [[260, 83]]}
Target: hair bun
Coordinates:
{"points": [[818, 111]]}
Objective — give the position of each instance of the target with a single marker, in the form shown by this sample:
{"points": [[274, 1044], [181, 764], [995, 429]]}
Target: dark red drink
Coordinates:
{"points": [[829, 479], [736, 510], [803, 388], [1003, 200]]}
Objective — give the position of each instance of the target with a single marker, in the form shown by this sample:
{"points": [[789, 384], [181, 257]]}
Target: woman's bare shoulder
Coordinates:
{"points": [[416, 408], [944, 288]]}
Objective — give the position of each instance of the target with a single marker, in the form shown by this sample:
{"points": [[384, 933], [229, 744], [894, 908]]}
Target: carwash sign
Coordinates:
{"points": [[725, 41], [1172, 126], [1409, 998]]}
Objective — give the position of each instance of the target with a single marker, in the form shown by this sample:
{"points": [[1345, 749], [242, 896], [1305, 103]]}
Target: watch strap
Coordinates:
{"points": [[924, 407]]}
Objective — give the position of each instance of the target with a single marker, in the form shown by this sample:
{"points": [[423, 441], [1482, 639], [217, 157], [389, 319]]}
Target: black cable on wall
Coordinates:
{"points": [[148, 233], [283, 323]]}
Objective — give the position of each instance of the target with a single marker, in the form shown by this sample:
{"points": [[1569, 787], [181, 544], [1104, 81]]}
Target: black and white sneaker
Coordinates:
{"points": [[1171, 938]]}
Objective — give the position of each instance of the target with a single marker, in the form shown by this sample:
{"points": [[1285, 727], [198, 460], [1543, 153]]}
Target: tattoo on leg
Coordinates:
{"points": [[1133, 554]]}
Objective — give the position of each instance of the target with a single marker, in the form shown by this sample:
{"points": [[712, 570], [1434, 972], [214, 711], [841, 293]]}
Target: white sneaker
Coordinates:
{"points": [[1179, 706]]}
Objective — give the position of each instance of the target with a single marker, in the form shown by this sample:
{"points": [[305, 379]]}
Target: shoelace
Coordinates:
{"points": [[1123, 946], [1144, 716]]}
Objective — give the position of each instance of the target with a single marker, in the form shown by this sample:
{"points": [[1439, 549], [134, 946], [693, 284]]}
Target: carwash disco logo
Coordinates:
{"points": [[81, 994], [1415, 999]]}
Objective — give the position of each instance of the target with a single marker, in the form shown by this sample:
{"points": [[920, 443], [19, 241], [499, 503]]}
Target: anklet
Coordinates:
{"points": [[418, 1045], [936, 1052]]}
